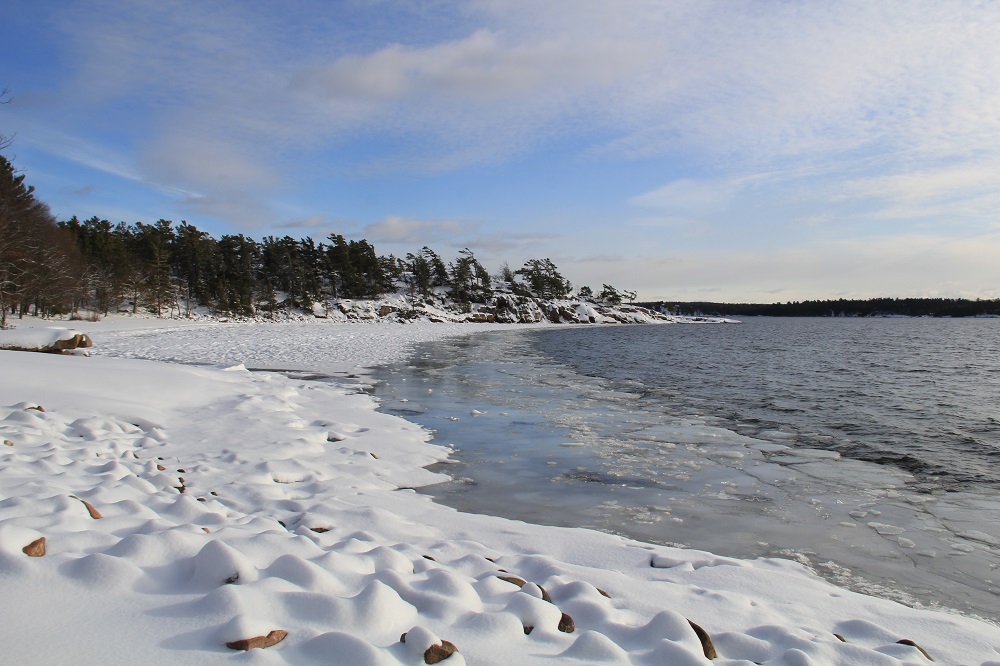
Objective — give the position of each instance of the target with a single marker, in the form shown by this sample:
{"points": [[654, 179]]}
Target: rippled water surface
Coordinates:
{"points": [[866, 448]]}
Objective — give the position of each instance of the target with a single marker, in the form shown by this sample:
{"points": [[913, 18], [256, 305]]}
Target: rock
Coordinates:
{"points": [[80, 340], [272, 638], [840, 638], [7, 442], [436, 653], [603, 593], [320, 530], [545, 595], [706, 641], [37, 408], [161, 468], [48, 340], [36, 548], [907, 641], [520, 582], [94, 513], [566, 624], [386, 310], [528, 630]]}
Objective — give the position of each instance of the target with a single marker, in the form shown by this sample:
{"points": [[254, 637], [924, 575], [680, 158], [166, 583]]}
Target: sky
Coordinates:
{"points": [[689, 150]]}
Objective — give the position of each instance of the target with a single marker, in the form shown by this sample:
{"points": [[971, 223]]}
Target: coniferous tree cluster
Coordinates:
{"points": [[49, 267]]}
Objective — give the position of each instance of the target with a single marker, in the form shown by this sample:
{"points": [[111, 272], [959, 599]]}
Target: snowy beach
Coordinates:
{"points": [[186, 507]]}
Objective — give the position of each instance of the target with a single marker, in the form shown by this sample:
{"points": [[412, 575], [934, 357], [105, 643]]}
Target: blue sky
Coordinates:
{"points": [[689, 150]]}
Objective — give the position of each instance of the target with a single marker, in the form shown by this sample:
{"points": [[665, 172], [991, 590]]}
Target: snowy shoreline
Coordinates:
{"points": [[291, 513]]}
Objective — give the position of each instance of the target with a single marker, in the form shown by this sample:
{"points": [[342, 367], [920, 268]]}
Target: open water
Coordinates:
{"points": [[868, 449]]}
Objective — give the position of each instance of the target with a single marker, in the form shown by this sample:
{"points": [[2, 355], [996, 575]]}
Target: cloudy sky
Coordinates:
{"points": [[736, 150]]}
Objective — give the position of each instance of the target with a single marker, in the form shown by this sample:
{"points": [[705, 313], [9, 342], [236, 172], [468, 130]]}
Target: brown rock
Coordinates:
{"points": [[36, 548], [38, 408], [603, 593], [428, 557], [272, 638], [80, 340], [320, 530], [161, 468], [520, 582], [907, 641], [545, 595], [706, 641], [840, 638], [528, 630], [94, 513], [7, 442], [566, 624], [436, 653]]}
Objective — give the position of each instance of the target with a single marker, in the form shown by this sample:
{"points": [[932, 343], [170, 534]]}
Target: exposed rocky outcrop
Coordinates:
{"points": [[502, 308]]}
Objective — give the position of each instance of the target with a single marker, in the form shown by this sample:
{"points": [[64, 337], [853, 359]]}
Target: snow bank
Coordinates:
{"points": [[186, 508], [43, 339]]}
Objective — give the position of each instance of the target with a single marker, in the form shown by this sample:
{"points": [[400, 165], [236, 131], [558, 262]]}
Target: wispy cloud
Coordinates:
{"points": [[395, 229], [727, 80]]}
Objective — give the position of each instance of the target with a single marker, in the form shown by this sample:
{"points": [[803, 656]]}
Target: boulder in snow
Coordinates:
{"points": [[52, 340]]}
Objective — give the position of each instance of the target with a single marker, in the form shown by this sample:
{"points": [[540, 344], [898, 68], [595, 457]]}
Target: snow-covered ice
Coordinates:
{"points": [[186, 507]]}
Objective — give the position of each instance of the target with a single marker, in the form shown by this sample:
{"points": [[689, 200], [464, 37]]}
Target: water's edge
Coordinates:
{"points": [[537, 440]]}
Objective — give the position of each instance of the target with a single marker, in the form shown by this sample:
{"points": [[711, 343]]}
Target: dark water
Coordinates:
{"points": [[864, 448], [920, 394]]}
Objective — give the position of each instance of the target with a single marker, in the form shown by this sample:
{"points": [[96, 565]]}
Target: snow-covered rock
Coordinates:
{"points": [[53, 340]]}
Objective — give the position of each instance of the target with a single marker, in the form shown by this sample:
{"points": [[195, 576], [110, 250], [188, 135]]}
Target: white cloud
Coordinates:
{"points": [[395, 229], [482, 68]]}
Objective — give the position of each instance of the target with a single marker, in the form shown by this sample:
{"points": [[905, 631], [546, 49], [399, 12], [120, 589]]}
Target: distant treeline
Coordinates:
{"points": [[874, 307]]}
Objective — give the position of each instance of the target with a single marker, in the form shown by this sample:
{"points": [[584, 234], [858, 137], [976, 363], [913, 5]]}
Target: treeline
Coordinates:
{"points": [[39, 266], [874, 307], [50, 267]]}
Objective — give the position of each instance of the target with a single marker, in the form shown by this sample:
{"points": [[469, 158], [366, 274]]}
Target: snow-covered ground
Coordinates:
{"points": [[186, 507]]}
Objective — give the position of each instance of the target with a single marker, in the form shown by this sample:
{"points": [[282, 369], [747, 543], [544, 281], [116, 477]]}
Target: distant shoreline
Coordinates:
{"points": [[873, 307]]}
